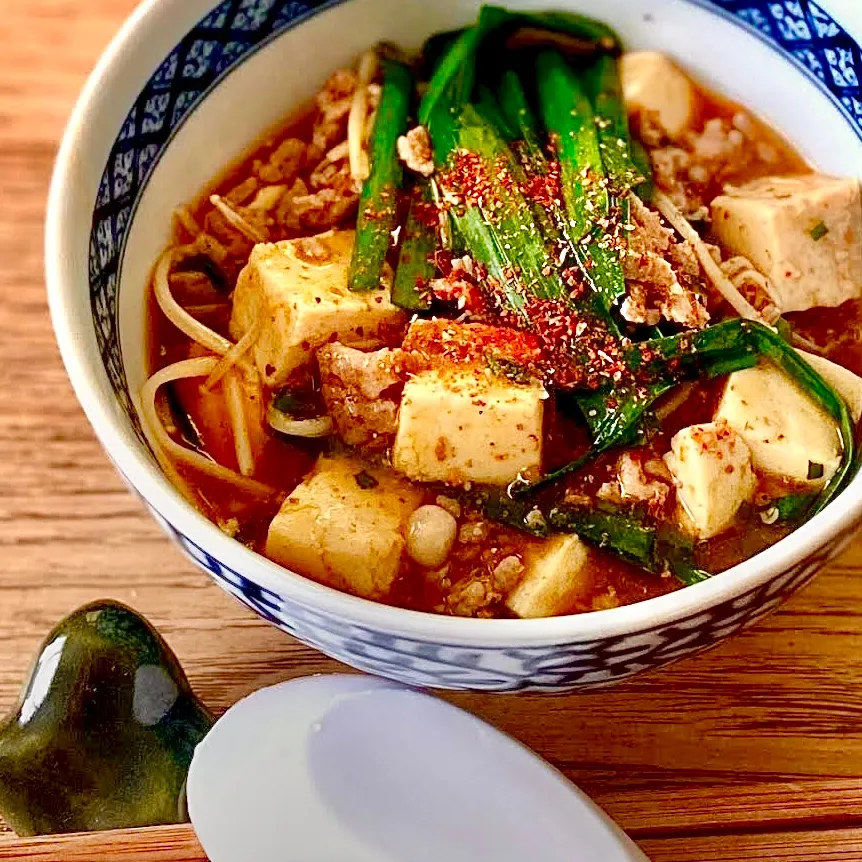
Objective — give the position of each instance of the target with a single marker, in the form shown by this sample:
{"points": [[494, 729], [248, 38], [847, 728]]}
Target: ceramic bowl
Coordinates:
{"points": [[188, 85]]}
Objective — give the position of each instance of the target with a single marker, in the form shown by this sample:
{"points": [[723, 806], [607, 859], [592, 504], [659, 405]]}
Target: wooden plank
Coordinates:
{"points": [[683, 803], [838, 845], [762, 733], [159, 844], [179, 844]]}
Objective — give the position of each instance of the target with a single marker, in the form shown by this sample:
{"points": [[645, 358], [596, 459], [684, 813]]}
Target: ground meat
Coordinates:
{"points": [[650, 233], [473, 532], [691, 171], [333, 106], [661, 274], [287, 214], [637, 306], [268, 200], [334, 98], [632, 484], [236, 244], [508, 572], [326, 208], [472, 595], [285, 162], [670, 171], [753, 285], [684, 260], [242, 193], [414, 149], [637, 486], [362, 392], [680, 305], [335, 197], [327, 174], [658, 293]]}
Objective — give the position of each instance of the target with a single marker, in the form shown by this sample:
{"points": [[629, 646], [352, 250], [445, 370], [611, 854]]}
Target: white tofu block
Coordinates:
{"points": [[784, 429], [557, 575], [803, 232], [711, 467], [847, 384], [462, 424], [652, 82], [297, 290], [336, 531]]}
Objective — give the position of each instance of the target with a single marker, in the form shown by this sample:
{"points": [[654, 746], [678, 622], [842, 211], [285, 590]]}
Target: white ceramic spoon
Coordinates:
{"points": [[356, 769]]}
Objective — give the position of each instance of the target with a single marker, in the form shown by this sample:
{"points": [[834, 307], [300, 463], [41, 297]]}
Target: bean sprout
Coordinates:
{"points": [[162, 443], [359, 166], [713, 271]]}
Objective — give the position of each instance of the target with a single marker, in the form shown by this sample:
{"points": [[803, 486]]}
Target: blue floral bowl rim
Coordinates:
{"points": [[103, 104]]}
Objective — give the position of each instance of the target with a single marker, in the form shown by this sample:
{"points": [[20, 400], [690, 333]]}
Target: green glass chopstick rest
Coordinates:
{"points": [[104, 732]]}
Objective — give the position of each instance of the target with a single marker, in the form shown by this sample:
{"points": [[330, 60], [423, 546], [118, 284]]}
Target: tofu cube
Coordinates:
{"points": [[557, 575], [296, 291], [788, 434], [653, 83], [847, 384], [711, 468], [343, 530], [462, 424], [803, 232]]}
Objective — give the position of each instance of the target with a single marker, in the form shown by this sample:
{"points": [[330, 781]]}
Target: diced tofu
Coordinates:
{"points": [[557, 575], [340, 528], [711, 468], [847, 384], [354, 386], [804, 233], [461, 423], [653, 83], [296, 291], [788, 434]]}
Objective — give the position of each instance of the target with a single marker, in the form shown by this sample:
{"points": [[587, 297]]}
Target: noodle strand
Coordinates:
{"points": [[183, 217], [359, 166], [713, 272], [233, 356], [235, 403], [162, 442], [235, 220], [177, 315]]}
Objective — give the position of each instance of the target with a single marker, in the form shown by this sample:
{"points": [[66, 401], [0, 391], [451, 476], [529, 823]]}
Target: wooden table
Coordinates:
{"points": [[751, 751]]}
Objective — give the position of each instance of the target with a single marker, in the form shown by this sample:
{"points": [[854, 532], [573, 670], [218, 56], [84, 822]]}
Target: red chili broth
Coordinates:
{"points": [[283, 464]]}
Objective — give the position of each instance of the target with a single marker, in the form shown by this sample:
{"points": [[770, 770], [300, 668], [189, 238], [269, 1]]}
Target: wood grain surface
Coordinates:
{"points": [[751, 751]]}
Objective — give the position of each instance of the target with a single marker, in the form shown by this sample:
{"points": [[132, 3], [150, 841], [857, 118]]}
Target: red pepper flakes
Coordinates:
{"points": [[455, 288], [576, 348], [467, 343], [572, 279], [423, 289], [427, 214], [466, 182], [503, 174], [545, 189], [442, 259]]}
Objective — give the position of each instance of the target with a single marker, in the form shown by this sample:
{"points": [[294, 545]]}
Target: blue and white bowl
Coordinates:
{"points": [[188, 85]]}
